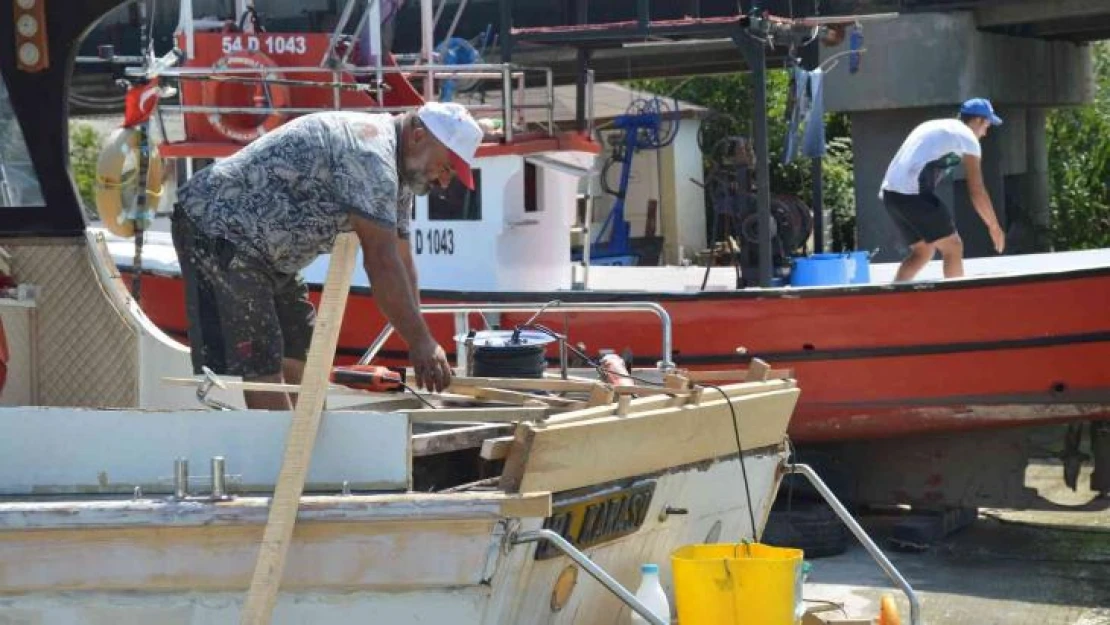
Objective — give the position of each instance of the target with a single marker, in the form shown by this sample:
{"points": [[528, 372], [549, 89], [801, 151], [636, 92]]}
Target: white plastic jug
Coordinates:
{"points": [[651, 594]]}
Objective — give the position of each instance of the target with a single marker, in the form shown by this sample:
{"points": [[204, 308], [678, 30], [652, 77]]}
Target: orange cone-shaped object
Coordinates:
{"points": [[888, 612]]}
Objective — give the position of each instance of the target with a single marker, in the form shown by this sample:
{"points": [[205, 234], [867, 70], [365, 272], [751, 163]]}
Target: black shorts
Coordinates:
{"points": [[920, 217], [243, 317]]}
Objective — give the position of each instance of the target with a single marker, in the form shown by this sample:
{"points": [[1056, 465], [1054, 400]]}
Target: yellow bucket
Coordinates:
{"points": [[735, 584]]}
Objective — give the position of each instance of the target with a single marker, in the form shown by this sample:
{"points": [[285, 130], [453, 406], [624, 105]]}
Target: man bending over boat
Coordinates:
{"points": [[246, 226], [928, 154]]}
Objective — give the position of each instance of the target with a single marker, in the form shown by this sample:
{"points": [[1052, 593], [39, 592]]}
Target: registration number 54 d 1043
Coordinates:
{"points": [[270, 44]]}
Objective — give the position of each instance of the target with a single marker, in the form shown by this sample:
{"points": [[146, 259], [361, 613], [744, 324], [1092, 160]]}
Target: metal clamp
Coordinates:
{"points": [[205, 387], [861, 535], [590, 567]]}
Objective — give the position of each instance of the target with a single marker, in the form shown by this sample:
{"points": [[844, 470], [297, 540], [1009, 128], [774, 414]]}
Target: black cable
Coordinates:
{"points": [[740, 451]]}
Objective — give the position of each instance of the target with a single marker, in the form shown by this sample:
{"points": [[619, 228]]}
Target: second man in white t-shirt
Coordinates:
{"points": [[927, 155]]}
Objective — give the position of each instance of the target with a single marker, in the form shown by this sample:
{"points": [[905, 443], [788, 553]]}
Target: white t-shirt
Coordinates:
{"points": [[927, 155]]}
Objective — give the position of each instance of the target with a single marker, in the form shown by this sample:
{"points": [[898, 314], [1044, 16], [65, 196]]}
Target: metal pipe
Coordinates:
{"points": [[590, 567], [181, 478], [455, 22], [462, 349], [427, 37], [492, 70], [861, 535], [219, 483], [292, 109], [550, 106], [507, 101], [344, 17], [652, 307]]}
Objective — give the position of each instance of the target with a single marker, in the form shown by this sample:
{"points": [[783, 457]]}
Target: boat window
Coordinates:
{"points": [[531, 201], [19, 185], [457, 203]]}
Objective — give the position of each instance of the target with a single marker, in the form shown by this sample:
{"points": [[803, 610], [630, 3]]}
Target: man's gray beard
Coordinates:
{"points": [[416, 180]]}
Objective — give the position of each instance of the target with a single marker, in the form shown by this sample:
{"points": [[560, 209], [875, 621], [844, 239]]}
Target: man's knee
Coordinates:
{"points": [[951, 245]]}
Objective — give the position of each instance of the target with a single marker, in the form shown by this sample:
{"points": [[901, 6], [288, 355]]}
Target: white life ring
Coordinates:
{"points": [[116, 190], [214, 96]]}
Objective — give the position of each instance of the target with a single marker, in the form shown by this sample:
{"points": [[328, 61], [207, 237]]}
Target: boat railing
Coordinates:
{"points": [[513, 79], [462, 314]]}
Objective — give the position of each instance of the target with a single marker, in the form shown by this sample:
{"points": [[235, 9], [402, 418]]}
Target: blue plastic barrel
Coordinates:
{"points": [[821, 269]]}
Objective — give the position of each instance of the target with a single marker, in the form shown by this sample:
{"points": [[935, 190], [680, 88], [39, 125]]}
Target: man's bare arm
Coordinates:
{"points": [[981, 200], [390, 280], [404, 250]]}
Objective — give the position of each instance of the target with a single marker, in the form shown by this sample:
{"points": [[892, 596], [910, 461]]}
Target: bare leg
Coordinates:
{"points": [[952, 249], [266, 400], [294, 372], [920, 254]]}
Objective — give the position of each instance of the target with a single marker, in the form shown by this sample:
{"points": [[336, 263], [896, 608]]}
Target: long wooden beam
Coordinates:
{"points": [[262, 595]]}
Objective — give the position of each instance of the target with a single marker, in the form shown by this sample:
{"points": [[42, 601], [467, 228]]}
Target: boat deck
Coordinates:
{"points": [[159, 257]]}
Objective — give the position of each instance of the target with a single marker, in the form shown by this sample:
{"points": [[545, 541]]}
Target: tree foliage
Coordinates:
{"points": [[1079, 165], [84, 149]]}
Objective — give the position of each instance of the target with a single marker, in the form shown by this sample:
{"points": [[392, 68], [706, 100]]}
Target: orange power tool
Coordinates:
{"points": [[374, 378]]}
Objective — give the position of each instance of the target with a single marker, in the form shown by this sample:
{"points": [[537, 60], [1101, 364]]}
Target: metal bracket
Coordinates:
{"points": [[205, 387], [861, 535]]}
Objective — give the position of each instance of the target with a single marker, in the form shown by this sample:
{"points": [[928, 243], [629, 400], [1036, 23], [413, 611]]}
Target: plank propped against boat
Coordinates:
{"points": [[564, 456]]}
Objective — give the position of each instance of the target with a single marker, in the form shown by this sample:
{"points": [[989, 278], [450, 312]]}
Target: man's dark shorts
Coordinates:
{"points": [[243, 317], [920, 217]]}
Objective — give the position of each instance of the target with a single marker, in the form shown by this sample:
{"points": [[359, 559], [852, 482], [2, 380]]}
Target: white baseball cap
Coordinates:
{"points": [[453, 125]]}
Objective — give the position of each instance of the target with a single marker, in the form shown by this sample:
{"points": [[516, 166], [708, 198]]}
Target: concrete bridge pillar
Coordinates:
{"points": [[922, 66]]}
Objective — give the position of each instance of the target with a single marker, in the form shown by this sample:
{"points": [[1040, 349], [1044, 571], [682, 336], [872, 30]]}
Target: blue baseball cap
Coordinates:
{"points": [[980, 107]]}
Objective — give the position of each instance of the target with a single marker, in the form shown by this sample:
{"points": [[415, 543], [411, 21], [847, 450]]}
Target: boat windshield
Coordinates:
{"points": [[19, 186]]}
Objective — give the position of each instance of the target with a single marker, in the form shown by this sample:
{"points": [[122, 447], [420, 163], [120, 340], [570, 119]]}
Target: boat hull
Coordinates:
{"points": [[353, 558], [875, 360]]}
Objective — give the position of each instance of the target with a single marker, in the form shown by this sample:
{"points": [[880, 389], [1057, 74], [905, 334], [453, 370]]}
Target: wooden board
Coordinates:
{"points": [[642, 404], [582, 453], [498, 414], [278, 533], [444, 441]]}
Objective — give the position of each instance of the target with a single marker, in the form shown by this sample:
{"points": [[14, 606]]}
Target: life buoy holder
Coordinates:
{"points": [[116, 211], [214, 95]]}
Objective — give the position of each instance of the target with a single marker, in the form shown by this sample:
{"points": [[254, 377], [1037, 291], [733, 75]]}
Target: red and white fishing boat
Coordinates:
{"points": [[1015, 343]]}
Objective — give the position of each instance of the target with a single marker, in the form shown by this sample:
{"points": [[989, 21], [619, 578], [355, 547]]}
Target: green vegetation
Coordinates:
{"points": [[1079, 166], [84, 147]]}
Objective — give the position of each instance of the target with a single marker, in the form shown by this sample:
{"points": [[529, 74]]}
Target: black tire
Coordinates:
{"points": [[810, 526]]}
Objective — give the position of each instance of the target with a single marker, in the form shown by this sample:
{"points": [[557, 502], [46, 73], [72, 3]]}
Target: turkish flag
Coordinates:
{"points": [[139, 103]]}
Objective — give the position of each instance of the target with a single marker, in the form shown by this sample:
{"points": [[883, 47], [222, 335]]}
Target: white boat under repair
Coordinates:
{"points": [[409, 515]]}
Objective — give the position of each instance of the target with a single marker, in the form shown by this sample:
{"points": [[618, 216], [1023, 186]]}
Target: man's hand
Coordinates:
{"points": [[429, 362], [999, 239]]}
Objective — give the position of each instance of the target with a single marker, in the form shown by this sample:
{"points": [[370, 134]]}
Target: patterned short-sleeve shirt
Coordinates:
{"points": [[287, 195]]}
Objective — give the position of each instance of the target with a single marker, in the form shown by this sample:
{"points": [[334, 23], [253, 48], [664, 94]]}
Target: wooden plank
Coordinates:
{"points": [[514, 397], [278, 533], [239, 385], [499, 414], [526, 384], [527, 505], [496, 448], [640, 389], [735, 375], [642, 404], [758, 371], [573, 455], [446, 441]]}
